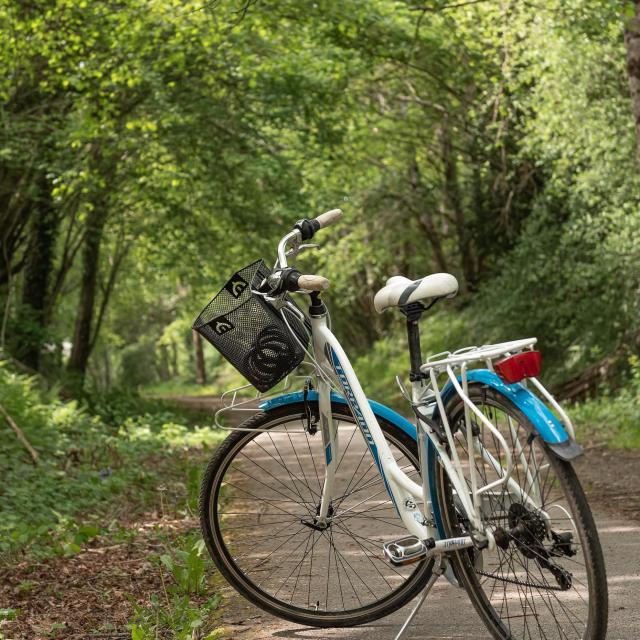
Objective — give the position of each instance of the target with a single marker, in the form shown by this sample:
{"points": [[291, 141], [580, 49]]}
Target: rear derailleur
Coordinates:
{"points": [[527, 532]]}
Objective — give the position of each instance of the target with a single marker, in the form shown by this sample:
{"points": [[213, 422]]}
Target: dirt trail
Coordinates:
{"points": [[610, 477]]}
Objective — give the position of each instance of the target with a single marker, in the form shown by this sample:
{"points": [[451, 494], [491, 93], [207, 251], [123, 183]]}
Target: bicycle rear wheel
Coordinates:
{"points": [[547, 578], [258, 497]]}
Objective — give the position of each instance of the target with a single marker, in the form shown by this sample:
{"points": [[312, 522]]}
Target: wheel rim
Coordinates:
{"points": [[270, 482], [522, 590]]}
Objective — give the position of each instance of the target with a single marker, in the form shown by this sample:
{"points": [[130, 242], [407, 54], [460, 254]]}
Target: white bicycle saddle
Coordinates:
{"points": [[400, 291]]}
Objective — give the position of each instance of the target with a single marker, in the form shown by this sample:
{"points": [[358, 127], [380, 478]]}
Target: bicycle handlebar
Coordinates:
{"points": [[308, 228], [304, 230], [290, 279]]}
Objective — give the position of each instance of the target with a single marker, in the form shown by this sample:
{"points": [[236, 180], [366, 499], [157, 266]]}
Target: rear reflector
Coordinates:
{"points": [[521, 365]]}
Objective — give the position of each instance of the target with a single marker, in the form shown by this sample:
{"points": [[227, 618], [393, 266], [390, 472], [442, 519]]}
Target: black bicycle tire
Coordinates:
{"points": [[217, 550], [598, 615]]}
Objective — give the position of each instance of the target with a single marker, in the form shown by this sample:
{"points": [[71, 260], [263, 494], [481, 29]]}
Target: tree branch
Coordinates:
{"points": [[443, 7], [19, 434], [107, 290]]}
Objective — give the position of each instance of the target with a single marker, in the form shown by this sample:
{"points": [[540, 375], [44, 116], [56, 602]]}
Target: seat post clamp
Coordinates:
{"points": [[413, 311]]}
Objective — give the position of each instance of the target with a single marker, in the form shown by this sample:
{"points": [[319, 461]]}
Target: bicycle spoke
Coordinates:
{"points": [[274, 487]]}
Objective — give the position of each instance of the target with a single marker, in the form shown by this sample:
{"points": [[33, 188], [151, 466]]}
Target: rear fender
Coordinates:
{"points": [[547, 426]]}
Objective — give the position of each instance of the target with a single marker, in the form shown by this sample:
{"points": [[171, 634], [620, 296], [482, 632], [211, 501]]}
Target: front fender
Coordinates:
{"points": [[379, 410]]}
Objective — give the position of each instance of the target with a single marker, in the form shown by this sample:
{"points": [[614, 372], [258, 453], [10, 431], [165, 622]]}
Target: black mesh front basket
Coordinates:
{"points": [[250, 332]]}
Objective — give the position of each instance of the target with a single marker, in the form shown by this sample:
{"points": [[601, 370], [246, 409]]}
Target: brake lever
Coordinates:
{"points": [[294, 251]]}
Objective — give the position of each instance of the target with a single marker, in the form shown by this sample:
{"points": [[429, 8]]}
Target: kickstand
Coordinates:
{"points": [[439, 568]]}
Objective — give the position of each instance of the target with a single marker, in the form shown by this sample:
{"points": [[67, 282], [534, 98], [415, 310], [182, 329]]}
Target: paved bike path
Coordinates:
{"points": [[447, 614]]}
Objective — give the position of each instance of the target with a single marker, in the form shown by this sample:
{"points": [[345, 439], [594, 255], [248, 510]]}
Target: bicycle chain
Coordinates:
{"points": [[533, 585]]}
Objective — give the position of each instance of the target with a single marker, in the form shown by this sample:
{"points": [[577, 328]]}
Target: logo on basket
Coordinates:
{"points": [[221, 325], [236, 286]]}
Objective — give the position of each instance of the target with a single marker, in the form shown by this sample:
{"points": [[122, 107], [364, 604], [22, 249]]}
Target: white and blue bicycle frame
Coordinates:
{"points": [[434, 384], [334, 373], [335, 370]]}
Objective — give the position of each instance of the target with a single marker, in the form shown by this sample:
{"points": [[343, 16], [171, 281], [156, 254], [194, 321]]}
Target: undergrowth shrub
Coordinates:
{"points": [[186, 605], [89, 455], [389, 357]]}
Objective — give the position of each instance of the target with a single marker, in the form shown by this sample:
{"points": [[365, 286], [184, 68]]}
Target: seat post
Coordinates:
{"points": [[413, 312]]}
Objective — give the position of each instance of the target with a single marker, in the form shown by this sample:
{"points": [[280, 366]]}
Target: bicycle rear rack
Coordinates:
{"points": [[448, 361], [454, 367]]}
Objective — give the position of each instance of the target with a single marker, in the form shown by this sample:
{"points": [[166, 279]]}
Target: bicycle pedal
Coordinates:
{"points": [[405, 550]]}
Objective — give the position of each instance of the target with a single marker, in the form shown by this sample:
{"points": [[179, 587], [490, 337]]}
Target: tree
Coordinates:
{"points": [[632, 42], [32, 320], [168, 148], [201, 376]]}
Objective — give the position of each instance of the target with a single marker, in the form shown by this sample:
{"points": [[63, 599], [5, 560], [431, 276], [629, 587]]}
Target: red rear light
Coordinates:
{"points": [[521, 365]]}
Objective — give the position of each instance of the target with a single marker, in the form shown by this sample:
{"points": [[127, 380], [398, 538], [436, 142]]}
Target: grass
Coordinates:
{"points": [[111, 456], [185, 606], [226, 377], [179, 387]]}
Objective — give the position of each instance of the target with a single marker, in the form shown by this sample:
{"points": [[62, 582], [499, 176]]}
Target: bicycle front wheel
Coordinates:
{"points": [[259, 495], [546, 578]]}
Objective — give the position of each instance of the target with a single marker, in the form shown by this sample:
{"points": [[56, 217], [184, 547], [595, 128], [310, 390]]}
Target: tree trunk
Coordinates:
{"points": [[162, 363], [428, 224], [632, 42], [107, 369], [453, 203], [174, 360], [426, 219], [201, 377], [12, 238], [82, 342], [39, 264]]}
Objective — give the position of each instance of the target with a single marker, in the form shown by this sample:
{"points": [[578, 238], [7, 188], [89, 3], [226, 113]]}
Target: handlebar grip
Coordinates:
{"points": [[329, 217], [308, 228], [313, 283]]}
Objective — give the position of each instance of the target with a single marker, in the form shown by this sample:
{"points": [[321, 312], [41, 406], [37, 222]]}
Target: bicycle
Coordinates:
{"points": [[330, 510]]}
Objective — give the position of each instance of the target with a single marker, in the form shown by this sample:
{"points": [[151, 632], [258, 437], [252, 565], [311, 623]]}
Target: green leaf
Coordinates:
{"points": [[168, 562], [137, 633], [9, 614], [86, 532]]}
